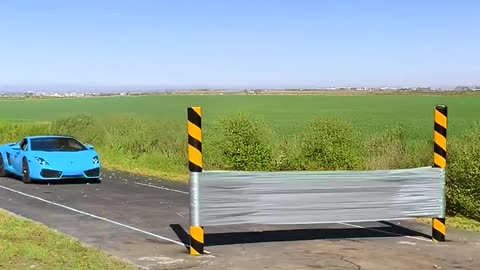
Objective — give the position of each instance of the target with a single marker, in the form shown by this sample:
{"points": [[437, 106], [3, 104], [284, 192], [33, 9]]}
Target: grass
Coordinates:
{"points": [[28, 245], [456, 222]]}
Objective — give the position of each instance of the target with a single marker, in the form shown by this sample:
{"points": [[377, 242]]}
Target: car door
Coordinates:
{"points": [[18, 156]]}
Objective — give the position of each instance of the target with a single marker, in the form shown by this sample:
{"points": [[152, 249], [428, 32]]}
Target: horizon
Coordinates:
{"points": [[146, 45]]}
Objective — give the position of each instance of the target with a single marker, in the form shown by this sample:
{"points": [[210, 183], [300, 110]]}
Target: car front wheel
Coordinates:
{"points": [[25, 172]]}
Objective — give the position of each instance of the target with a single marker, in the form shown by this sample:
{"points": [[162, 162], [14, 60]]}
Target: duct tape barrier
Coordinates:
{"points": [[233, 197]]}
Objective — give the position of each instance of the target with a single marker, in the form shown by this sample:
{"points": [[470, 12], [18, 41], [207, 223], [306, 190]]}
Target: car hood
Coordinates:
{"points": [[65, 158]]}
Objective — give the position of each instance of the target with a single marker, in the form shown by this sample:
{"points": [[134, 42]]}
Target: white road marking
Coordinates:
{"points": [[161, 260], [97, 217], [382, 231], [407, 243], [164, 188]]}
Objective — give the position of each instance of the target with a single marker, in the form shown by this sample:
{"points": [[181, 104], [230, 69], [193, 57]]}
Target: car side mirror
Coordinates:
{"points": [[16, 148], [90, 147]]}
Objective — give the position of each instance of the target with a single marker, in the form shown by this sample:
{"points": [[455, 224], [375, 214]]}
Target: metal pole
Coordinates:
{"points": [[195, 164], [440, 161]]}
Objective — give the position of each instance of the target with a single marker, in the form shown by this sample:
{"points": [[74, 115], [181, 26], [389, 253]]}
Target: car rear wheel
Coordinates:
{"points": [[25, 172], [2, 167]]}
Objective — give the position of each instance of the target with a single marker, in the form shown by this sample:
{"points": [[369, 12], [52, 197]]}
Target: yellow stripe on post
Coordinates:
{"points": [[439, 161], [195, 156], [196, 240], [439, 230], [439, 225], [198, 110], [440, 117], [440, 140], [195, 131]]}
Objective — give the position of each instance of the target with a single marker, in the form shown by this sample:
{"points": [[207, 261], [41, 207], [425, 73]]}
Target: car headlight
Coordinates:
{"points": [[95, 160], [41, 161]]}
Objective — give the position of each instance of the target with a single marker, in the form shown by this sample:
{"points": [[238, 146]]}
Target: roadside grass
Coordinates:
{"points": [[28, 245], [456, 222], [115, 162]]}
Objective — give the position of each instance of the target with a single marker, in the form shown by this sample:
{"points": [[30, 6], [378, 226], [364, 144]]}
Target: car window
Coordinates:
{"points": [[23, 145], [56, 144]]}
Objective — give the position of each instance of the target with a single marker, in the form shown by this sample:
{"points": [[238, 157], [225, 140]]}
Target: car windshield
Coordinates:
{"points": [[56, 144]]}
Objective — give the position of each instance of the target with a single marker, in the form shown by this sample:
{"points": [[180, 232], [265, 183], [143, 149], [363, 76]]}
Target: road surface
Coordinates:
{"points": [[145, 221]]}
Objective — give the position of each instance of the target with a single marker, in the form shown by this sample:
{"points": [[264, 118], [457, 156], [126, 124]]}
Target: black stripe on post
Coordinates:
{"points": [[194, 118], [441, 130], [195, 143], [439, 150], [442, 109], [197, 246], [194, 167]]}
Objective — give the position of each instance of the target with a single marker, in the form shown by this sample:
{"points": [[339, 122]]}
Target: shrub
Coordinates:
{"points": [[13, 132], [387, 150], [127, 138], [463, 170], [245, 143], [419, 153], [212, 153], [83, 127], [326, 144]]}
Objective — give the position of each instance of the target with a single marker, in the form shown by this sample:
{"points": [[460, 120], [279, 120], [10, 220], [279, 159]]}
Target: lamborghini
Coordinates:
{"points": [[49, 158]]}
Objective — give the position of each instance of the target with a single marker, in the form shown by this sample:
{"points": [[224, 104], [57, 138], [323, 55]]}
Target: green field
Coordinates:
{"points": [[285, 114]]}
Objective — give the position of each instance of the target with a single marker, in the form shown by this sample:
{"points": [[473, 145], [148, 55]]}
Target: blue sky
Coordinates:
{"points": [[235, 44]]}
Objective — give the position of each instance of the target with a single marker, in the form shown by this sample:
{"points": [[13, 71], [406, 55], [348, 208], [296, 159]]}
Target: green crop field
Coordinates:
{"points": [[285, 114]]}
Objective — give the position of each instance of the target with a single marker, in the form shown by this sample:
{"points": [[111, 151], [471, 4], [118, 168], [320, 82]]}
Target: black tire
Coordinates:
{"points": [[2, 167], [26, 172]]}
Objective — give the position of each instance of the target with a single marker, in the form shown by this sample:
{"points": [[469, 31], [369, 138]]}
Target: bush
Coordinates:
{"points": [[419, 153], [13, 132], [135, 137], [326, 144], [463, 171], [83, 126], [245, 143], [387, 150]]}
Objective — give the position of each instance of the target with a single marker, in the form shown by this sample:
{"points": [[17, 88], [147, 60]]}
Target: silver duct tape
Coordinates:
{"points": [[233, 197], [194, 205]]}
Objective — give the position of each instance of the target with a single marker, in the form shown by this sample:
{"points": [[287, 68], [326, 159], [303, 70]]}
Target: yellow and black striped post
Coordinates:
{"points": [[195, 165], [439, 161]]}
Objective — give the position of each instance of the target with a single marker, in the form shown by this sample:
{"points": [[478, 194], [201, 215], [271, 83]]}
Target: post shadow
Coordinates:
{"points": [[232, 238], [182, 235]]}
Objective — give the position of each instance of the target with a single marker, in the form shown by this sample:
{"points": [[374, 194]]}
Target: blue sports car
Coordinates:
{"points": [[49, 158]]}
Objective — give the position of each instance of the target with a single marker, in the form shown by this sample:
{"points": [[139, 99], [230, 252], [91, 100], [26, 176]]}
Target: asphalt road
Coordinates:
{"points": [[145, 221]]}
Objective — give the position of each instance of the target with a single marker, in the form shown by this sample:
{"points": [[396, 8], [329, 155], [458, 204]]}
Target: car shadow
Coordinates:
{"points": [[233, 238], [69, 181]]}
